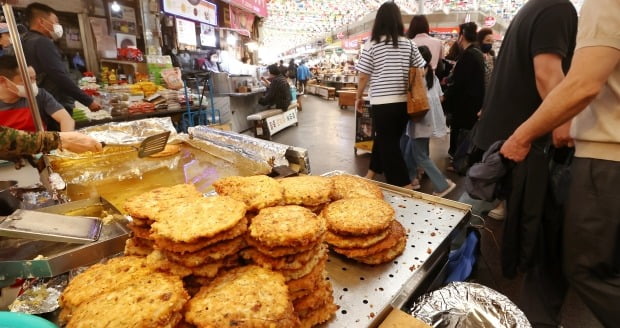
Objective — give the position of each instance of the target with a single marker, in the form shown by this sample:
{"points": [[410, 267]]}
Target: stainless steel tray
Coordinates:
{"points": [[17, 256], [366, 294]]}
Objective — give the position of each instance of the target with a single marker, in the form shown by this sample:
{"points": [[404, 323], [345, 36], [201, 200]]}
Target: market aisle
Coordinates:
{"points": [[328, 133]]}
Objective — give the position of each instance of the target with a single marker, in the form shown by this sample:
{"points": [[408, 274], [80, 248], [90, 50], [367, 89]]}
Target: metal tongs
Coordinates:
{"points": [[151, 145]]}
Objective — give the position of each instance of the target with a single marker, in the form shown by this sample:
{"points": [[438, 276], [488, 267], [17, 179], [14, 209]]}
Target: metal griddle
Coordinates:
{"points": [[17, 256], [366, 294]]}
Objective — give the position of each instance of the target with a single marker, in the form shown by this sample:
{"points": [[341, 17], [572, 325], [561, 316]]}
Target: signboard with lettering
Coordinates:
{"points": [[197, 10], [258, 7]]}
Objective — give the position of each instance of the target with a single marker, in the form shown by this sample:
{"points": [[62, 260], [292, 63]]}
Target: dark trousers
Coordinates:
{"points": [[454, 139], [592, 237], [389, 122]]}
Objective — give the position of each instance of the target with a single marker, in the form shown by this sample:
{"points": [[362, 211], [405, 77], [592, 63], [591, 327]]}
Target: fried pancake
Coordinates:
{"points": [[358, 216], [287, 226], [169, 150], [299, 294], [319, 315], [202, 218], [306, 190], [140, 231], [157, 261], [309, 281], [349, 186], [306, 269], [355, 241], [289, 262], [397, 232], [319, 297], [143, 223], [150, 301], [249, 296], [181, 247], [103, 278], [208, 254], [257, 192], [278, 251], [144, 206], [138, 247], [386, 256], [316, 209]]}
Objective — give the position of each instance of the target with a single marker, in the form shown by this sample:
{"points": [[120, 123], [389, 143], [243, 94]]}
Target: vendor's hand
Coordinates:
{"points": [[359, 105], [561, 136], [78, 142], [515, 150], [95, 106]]}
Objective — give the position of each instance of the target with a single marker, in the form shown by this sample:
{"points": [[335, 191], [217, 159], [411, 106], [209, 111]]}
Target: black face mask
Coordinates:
{"points": [[486, 48]]}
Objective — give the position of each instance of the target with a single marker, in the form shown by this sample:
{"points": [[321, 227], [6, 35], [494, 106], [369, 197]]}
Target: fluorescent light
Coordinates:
{"points": [[115, 7], [231, 39]]}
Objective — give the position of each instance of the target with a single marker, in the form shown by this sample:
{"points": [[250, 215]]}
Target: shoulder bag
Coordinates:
{"points": [[417, 97]]}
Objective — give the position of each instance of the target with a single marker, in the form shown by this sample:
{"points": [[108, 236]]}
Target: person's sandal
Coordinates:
{"points": [[451, 186]]}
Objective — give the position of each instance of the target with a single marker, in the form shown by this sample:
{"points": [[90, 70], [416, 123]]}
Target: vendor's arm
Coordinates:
{"points": [[590, 69], [65, 120], [55, 70], [15, 142]]}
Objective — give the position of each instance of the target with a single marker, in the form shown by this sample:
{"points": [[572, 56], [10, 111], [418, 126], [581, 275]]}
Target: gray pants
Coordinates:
{"points": [[592, 237]]}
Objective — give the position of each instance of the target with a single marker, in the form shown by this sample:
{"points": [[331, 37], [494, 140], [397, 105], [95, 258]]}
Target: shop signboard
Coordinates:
{"points": [[197, 10], [355, 41], [258, 7], [123, 20], [186, 32], [489, 21]]}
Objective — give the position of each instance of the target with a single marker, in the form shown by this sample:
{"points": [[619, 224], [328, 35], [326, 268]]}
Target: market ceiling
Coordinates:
{"points": [[291, 23]]}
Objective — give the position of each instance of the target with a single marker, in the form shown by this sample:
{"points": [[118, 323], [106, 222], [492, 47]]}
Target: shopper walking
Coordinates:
{"points": [[419, 32], [292, 71], [384, 65], [485, 40], [536, 52], [303, 75], [465, 94], [43, 55], [419, 133], [589, 95]]}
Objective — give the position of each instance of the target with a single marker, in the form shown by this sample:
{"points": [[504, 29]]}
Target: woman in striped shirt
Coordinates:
{"points": [[384, 64]]}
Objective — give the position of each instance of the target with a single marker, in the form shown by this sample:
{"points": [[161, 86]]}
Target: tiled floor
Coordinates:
{"points": [[328, 133]]}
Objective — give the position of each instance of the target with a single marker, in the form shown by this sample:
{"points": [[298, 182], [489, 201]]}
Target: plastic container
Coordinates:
{"points": [[21, 320]]}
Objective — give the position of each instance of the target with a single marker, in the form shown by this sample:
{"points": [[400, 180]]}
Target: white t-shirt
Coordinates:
{"points": [[388, 68], [434, 122]]}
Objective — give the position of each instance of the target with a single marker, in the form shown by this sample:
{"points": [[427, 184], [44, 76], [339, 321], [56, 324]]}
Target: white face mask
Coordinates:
{"points": [[57, 32], [21, 90]]}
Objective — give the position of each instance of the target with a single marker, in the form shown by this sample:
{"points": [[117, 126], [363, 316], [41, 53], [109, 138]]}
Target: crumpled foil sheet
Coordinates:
{"points": [[133, 132], [40, 296], [253, 148], [462, 304]]}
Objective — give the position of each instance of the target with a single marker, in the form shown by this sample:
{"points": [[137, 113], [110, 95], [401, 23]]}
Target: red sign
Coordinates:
{"points": [[241, 20], [489, 21], [258, 7], [355, 41]]}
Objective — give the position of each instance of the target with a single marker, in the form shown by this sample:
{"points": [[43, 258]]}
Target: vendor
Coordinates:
{"points": [[211, 62], [278, 92], [14, 108]]}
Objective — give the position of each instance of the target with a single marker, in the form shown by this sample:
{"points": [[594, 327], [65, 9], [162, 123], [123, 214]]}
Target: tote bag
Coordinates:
{"points": [[417, 98]]}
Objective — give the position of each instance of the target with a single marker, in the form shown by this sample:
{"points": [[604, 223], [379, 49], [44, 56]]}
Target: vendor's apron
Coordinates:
{"points": [[18, 118]]}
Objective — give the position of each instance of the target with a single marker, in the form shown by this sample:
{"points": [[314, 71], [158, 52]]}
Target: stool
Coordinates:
{"points": [[346, 98], [261, 128]]}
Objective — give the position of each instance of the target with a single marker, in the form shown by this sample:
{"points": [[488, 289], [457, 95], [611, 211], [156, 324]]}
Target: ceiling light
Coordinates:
{"points": [[115, 7]]}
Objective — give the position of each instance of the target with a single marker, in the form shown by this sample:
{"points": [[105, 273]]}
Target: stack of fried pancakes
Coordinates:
{"points": [[364, 229], [288, 239], [191, 235]]}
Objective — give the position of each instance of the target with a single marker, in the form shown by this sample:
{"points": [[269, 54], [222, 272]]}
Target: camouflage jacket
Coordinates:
{"points": [[14, 143]]}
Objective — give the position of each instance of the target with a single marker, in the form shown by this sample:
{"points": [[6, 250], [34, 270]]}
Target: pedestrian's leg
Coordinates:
{"points": [[454, 140], [406, 147], [420, 151], [390, 121], [592, 237]]}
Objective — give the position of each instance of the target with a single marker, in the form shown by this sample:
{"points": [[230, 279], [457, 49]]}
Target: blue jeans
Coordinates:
{"points": [[416, 154]]}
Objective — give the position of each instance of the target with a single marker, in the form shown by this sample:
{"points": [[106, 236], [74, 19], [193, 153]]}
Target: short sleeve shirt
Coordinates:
{"points": [[540, 27]]}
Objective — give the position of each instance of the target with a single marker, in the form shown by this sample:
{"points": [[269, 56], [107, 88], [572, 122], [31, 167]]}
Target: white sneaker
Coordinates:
{"points": [[451, 186], [498, 213]]}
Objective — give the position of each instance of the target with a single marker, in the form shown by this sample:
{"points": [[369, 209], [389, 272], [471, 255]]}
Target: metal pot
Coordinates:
{"points": [[8, 202]]}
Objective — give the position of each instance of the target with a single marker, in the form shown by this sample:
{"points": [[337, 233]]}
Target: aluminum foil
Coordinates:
{"points": [[462, 304], [133, 132], [257, 149], [40, 296]]}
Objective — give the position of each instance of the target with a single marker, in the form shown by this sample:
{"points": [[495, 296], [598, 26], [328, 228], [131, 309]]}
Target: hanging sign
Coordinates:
{"points": [[241, 20], [123, 20], [258, 7], [197, 10], [489, 21]]}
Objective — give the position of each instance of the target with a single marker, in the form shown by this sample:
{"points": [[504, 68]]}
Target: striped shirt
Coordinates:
{"points": [[388, 68]]}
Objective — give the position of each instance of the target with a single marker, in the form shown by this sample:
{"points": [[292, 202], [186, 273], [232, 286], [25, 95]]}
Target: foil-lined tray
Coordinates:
{"points": [[366, 294], [132, 132], [463, 304], [25, 258]]}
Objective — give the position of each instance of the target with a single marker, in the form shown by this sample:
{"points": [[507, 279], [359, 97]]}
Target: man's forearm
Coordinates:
{"points": [[15, 142]]}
